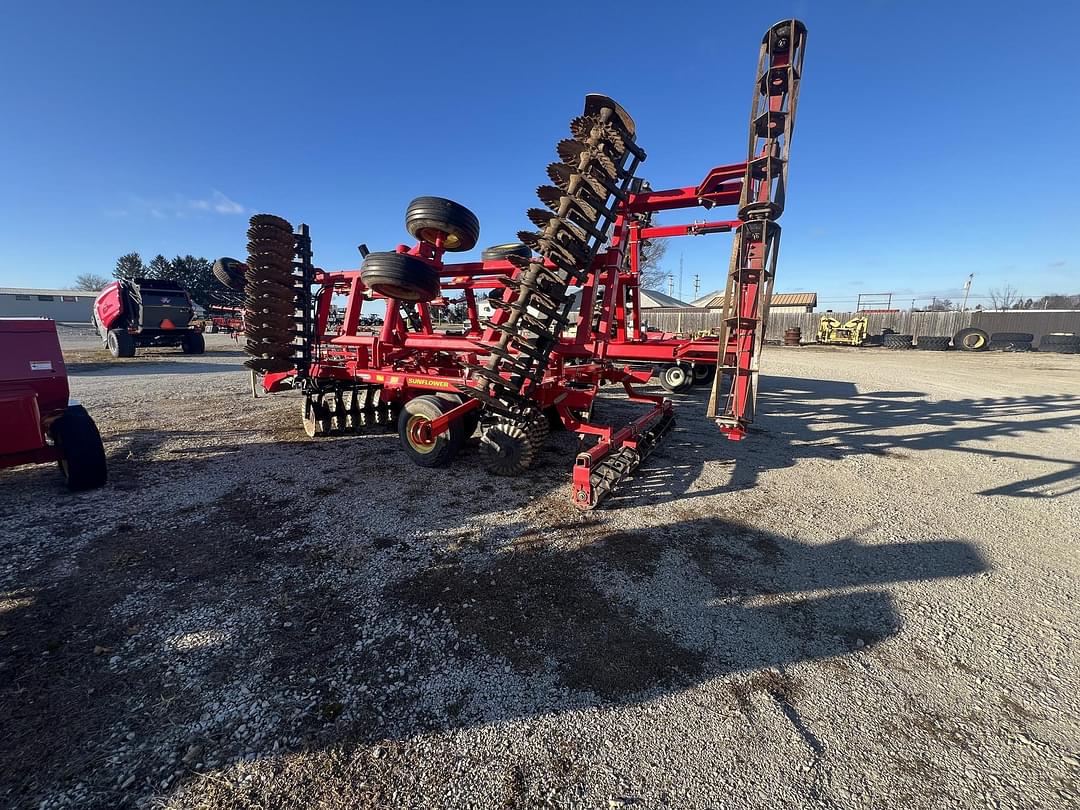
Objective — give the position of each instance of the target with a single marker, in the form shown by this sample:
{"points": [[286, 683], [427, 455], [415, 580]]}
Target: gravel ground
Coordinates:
{"points": [[871, 602]]}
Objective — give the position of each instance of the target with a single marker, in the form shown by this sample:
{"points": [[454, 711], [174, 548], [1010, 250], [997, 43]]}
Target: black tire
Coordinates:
{"points": [[192, 343], [676, 378], [933, 343], [470, 421], [230, 272], [400, 276], [442, 448], [971, 340], [83, 464], [500, 252], [120, 343], [1059, 339], [897, 341], [1006, 346], [1057, 348], [429, 217], [703, 374], [1012, 337]]}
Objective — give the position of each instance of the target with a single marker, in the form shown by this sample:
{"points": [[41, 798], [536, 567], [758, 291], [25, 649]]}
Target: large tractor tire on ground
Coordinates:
{"points": [[1060, 343], [933, 343], [193, 343], [1011, 341], [230, 272], [971, 340], [400, 276], [502, 252], [435, 451], [897, 341], [428, 218], [120, 343], [703, 374], [77, 436], [676, 378]]}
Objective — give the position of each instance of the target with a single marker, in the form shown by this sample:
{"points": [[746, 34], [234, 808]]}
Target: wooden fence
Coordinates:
{"points": [[1039, 323]]}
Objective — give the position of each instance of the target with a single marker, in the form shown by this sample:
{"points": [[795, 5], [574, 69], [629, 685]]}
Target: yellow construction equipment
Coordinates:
{"points": [[852, 333]]}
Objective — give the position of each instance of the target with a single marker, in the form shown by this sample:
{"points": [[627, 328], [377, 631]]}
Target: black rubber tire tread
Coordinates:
{"points": [[897, 341], [1057, 348], [84, 465], [674, 383], [703, 374], [1011, 337], [933, 343], [230, 272], [471, 421], [120, 343], [502, 252], [193, 343], [400, 276], [1061, 339], [445, 446], [1008, 346], [971, 339], [427, 215]]}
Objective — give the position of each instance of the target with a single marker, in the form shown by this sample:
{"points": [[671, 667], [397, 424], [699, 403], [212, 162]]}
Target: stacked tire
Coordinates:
{"points": [[1060, 343], [1010, 342], [894, 341], [933, 343]]}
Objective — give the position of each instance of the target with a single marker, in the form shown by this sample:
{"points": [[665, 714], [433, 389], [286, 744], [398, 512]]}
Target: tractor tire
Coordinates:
{"points": [[230, 272], [120, 343], [400, 276], [933, 343], [428, 218], [193, 343], [83, 464], [703, 374], [971, 340], [470, 421], [1011, 341], [1060, 343], [676, 378], [894, 341], [1012, 337], [501, 252], [438, 451]]}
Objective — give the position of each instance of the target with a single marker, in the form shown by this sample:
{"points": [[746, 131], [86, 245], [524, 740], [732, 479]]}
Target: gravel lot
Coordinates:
{"points": [[870, 602]]}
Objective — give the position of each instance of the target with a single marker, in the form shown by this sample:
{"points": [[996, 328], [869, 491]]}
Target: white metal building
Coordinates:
{"points": [[71, 306]]}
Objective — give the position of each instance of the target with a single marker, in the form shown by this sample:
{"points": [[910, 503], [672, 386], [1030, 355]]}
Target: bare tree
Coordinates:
{"points": [[650, 275], [90, 282], [1004, 297]]}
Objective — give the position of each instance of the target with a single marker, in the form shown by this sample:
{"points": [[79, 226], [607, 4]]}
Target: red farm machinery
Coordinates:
{"points": [[146, 312], [564, 310]]}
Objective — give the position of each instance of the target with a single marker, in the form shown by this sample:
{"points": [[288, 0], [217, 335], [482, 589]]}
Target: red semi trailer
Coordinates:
{"points": [[41, 423]]}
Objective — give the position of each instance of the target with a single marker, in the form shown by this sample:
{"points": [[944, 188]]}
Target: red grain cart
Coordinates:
{"points": [[41, 423]]}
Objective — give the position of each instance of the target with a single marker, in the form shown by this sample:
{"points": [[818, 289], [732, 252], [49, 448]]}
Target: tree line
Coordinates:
{"points": [[194, 272]]}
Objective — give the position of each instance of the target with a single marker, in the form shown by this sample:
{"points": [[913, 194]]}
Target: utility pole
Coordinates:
{"points": [[967, 289], [671, 285], [680, 277], [697, 285]]}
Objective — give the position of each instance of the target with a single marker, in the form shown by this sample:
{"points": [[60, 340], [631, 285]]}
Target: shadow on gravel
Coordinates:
{"points": [[221, 627], [155, 365]]}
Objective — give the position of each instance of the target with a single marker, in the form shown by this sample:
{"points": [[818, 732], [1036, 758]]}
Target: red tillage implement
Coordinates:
{"points": [[565, 315]]}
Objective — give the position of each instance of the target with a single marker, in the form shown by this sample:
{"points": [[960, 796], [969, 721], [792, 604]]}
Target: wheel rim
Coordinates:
{"points": [[974, 341], [414, 434], [450, 240], [676, 376]]}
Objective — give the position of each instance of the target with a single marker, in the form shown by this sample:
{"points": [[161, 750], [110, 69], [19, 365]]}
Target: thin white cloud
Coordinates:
{"points": [[218, 203], [178, 206]]}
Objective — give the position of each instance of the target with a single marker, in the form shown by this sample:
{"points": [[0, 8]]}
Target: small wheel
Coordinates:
{"points": [[400, 276], [83, 462], [422, 449], [505, 251], [676, 378], [120, 343], [230, 272], [703, 374], [507, 448], [192, 343], [428, 218]]}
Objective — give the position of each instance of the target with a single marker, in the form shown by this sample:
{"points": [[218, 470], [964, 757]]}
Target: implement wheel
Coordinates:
{"points": [[400, 276], [676, 378], [423, 449], [505, 251], [230, 273], [703, 374], [428, 218], [120, 343], [83, 463]]}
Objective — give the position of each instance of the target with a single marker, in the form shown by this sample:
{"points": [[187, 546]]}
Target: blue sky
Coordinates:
{"points": [[933, 139]]}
